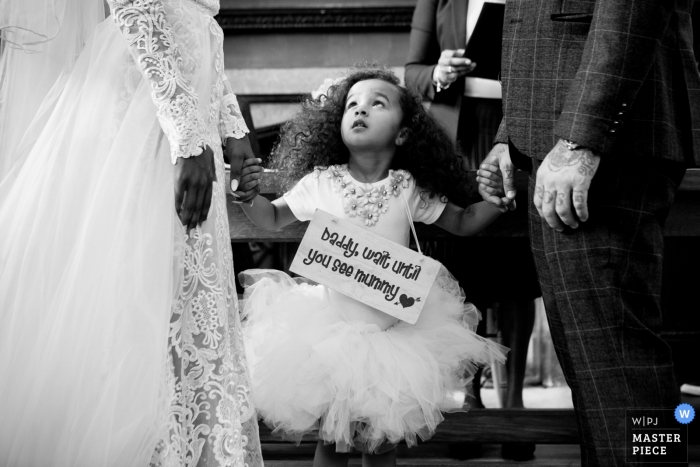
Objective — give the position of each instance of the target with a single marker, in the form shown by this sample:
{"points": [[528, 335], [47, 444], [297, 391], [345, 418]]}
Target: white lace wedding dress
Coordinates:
{"points": [[120, 341]]}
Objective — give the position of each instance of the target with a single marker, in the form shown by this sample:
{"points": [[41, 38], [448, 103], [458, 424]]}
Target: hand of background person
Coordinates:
{"points": [[249, 187], [561, 189], [194, 179], [496, 177], [237, 151], [451, 66]]}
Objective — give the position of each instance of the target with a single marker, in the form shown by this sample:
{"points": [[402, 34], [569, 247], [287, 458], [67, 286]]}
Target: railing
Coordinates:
{"points": [[683, 220]]}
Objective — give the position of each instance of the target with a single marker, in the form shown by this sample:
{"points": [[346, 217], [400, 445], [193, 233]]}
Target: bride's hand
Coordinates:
{"points": [[194, 178], [249, 187], [237, 151]]}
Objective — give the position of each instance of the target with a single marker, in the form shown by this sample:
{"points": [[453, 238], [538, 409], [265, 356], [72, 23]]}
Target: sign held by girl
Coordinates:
{"points": [[365, 266]]}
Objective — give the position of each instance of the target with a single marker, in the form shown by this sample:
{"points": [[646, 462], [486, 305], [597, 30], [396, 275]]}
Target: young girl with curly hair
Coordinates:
{"points": [[364, 151]]}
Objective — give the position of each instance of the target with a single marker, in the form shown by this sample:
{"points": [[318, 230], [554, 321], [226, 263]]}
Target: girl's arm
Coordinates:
{"points": [[269, 215], [466, 222], [265, 214]]}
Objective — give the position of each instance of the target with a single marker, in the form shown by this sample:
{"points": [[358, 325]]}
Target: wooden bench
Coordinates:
{"points": [[552, 427], [683, 220]]}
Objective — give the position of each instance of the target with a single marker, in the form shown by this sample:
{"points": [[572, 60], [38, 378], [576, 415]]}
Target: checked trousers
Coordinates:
{"points": [[601, 286]]}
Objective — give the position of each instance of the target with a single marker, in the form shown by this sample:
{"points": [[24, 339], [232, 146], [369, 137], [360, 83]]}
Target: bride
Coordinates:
{"points": [[120, 341]]}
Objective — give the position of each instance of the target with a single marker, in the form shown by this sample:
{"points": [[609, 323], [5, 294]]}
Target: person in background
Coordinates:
{"points": [[696, 31], [470, 110]]}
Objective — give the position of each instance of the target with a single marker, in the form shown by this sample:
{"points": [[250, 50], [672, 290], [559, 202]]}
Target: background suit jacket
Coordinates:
{"points": [[617, 76], [437, 25]]}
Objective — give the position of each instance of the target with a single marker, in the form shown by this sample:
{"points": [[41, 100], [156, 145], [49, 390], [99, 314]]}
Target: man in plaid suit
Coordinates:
{"points": [[601, 101]]}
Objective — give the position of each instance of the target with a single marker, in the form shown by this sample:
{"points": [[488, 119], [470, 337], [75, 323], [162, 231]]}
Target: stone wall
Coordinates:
{"points": [[289, 47]]}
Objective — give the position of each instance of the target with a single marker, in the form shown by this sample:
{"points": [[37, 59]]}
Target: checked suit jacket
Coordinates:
{"points": [[617, 76]]}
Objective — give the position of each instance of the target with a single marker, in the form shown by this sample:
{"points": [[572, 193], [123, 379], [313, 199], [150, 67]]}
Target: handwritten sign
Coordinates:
{"points": [[365, 266]]}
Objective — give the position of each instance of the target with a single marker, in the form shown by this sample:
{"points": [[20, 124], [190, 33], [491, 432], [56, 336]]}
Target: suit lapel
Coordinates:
{"points": [[459, 22]]}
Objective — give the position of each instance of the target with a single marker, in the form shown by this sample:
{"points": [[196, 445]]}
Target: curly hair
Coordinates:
{"points": [[313, 139]]}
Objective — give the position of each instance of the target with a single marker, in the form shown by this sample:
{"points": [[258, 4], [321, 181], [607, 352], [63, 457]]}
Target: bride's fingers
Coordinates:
{"points": [[236, 160], [179, 198], [198, 215], [194, 213], [207, 204], [185, 211]]}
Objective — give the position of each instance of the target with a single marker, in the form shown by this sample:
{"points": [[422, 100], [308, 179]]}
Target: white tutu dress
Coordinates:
{"points": [[120, 341], [323, 361]]}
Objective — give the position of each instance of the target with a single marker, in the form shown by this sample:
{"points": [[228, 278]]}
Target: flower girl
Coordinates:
{"points": [[365, 151]]}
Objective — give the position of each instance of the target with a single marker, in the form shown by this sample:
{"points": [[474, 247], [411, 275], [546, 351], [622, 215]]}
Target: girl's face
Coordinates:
{"points": [[372, 117]]}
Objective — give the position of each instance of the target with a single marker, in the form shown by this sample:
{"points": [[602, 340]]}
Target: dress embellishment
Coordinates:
{"points": [[363, 199]]}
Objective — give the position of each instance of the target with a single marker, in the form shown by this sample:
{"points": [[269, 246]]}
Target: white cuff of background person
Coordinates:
{"points": [[479, 87]]}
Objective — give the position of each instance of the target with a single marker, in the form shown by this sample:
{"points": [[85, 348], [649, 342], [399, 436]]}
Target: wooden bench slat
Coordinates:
{"points": [[690, 182], [550, 426], [427, 454], [683, 220], [561, 455]]}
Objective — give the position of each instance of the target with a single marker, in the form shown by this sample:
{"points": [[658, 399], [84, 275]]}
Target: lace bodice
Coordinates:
{"points": [[207, 6]]}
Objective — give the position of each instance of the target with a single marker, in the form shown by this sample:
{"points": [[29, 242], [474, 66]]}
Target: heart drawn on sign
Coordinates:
{"points": [[406, 301]]}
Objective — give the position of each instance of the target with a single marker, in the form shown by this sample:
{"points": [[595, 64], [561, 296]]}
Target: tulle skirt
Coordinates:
{"points": [[120, 341], [360, 386]]}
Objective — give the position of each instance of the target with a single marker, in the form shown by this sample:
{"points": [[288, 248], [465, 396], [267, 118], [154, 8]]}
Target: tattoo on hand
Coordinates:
{"points": [[563, 157], [539, 191], [548, 197], [588, 166], [560, 199], [578, 196]]}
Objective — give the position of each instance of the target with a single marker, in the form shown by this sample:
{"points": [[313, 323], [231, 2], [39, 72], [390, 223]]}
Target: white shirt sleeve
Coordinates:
{"points": [[473, 11], [302, 199]]}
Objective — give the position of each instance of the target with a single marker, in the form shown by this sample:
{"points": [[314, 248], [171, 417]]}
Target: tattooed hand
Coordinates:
{"points": [[496, 177], [563, 181]]}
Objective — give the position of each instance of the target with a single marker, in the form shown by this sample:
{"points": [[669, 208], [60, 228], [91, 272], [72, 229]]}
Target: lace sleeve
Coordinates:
{"points": [[152, 44], [231, 123]]}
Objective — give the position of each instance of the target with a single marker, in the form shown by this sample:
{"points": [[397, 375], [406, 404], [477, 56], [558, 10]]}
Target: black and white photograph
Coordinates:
{"points": [[331, 233]]}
